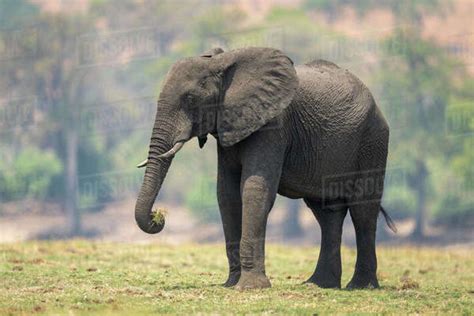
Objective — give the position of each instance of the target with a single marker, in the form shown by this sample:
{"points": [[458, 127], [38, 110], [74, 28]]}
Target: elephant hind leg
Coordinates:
{"points": [[365, 207], [327, 273], [364, 217]]}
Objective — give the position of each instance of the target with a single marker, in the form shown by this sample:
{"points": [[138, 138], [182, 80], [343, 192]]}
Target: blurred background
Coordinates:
{"points": [[79, 80]]}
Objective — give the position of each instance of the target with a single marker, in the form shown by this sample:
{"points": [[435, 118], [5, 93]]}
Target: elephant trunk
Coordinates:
{"points": [[155, 172]]}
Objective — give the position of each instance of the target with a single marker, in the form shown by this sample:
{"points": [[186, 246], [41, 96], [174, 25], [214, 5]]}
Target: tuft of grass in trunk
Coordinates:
{"points": [[158, 216], [81, 278]]}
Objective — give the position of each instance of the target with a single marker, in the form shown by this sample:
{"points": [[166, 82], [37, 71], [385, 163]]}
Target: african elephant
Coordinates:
{"points": [[311, 131]]}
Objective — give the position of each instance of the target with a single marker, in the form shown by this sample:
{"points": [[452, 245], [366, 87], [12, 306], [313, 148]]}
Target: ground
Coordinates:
{"points": [[82, 277]]}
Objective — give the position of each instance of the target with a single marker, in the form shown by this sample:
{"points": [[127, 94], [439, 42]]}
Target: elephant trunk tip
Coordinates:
{"points": [[151, 223]]}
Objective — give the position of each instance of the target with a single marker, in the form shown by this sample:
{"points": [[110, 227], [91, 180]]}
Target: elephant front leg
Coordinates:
{"points": [[230, 206], [258, 196]]}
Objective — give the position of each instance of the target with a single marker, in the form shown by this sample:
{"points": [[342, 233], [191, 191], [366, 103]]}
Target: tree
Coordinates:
{"points": [[422, 76], [60, 85], [59, 89], [426, 87]]}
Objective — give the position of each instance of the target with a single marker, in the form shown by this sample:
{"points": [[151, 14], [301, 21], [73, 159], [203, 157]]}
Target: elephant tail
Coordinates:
{"points": [[388, 219]]}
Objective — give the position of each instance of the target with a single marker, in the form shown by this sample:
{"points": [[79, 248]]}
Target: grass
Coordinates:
{"points": [[82, 278]]}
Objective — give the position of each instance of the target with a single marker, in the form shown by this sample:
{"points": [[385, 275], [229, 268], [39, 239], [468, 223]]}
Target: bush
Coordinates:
{"points": [[454, 210], [400, 201], [29, 174]]}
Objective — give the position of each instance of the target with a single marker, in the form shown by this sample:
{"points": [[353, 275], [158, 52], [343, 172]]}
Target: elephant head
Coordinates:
{"points": [[228, 94]]}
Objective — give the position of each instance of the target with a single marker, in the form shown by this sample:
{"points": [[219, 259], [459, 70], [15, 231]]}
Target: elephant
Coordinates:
{"points": [[311, 132]]}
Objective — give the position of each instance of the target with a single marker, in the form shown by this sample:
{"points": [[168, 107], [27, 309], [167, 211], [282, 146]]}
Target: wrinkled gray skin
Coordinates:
{"points": [[297, 131]]}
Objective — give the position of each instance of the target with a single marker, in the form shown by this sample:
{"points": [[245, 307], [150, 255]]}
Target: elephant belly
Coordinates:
{"points": [[316, 179], [295, 191]]}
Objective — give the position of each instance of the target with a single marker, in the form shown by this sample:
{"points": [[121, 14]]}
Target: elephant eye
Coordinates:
{"points": [[190, 99]]}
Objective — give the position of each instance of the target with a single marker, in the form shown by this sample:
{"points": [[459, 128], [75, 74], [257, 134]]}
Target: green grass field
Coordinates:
{"points": [[82, 277]]}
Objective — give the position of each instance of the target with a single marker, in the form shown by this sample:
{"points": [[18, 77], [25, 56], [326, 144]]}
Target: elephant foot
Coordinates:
{"points": [[252, 280], [232, 279], [325, 282], [363, 281]]}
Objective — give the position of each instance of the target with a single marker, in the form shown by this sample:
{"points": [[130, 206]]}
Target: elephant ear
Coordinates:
{"points": [[258, 83]]}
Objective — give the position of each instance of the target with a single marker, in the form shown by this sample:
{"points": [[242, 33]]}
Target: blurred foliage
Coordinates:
{"points": [[453, 187], [87, 87], [29, 174], [418, 82], [304, 40]]}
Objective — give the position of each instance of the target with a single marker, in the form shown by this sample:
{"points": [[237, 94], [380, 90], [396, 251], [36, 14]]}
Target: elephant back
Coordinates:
{"points": [[321, 63]]}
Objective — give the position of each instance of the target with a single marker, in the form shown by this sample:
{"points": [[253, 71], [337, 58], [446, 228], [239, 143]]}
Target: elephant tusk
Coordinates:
{"points": [[177, 147], [142, 164]]}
